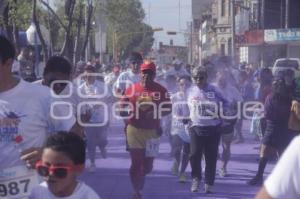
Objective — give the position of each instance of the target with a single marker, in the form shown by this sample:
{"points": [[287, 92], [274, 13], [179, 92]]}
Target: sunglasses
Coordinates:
{"points": [[56, 171]]}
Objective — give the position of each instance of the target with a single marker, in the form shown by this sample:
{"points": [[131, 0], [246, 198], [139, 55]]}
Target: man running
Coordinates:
{"points": [[149, 102]]}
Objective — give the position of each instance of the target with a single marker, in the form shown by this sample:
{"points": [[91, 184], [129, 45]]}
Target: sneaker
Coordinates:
{"points": [[222, 172], [92, 168], [175, 168], [182, 178], [256, 180], [103, 153], [137, 195], [207, 189], [195, 185]]}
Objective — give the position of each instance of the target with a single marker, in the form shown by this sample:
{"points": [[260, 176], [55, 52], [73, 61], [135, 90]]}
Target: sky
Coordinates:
{"points": [[165, 14]]}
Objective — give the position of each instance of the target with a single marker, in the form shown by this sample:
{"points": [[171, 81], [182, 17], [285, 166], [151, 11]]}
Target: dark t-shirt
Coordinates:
{"points": [[277, 111]]}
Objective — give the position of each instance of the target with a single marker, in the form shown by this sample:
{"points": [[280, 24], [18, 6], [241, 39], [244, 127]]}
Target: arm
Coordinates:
{"points": [[284, 180], [263, 194]]}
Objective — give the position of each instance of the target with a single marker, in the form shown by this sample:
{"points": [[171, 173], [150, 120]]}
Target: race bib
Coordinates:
{"points": [[152, 147], [17, 182]]}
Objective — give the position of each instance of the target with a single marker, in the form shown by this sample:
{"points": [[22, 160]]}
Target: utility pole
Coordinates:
{"points": [[287, 13], [232, 29], [191, 44], [179, 15]]}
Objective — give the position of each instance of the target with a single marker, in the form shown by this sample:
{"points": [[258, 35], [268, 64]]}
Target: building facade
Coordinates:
{"points": [[265, 30]]}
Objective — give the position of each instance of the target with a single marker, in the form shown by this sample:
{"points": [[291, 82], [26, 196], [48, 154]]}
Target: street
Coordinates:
{"points": [[111, 179]]}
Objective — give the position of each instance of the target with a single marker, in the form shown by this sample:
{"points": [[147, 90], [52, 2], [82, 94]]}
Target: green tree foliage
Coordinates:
{"points": [[126, 27]]}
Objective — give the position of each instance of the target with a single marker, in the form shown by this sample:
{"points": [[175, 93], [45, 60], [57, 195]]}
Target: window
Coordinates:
{"points": [[229, 9], [223, 7], [222, 49], [229, 46]]}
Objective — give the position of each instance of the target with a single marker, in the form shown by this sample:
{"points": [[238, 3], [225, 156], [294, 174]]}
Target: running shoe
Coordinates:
{"points": [[195, 185], [222, 172], [175, 168], [137, 195], [207, 189], [182, 178]]}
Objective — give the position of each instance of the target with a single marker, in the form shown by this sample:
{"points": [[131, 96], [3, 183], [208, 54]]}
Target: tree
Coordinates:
{"points": [[126, 28], [70, 18], [14, 16]]}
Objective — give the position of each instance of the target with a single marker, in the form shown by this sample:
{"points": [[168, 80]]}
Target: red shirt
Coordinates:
{"points": [[153, 101]]}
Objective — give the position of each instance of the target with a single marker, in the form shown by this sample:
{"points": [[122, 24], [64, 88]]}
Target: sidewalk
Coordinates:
{"points": [[111, 179]]}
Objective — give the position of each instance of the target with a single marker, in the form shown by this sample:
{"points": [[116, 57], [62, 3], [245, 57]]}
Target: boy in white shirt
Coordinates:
{"points": [[62, 161], [25, 120]]}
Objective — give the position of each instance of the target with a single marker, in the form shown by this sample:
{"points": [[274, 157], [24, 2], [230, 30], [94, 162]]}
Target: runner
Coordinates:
{"points": [[25, 120], [180, 136], [96, 131], [233, 97], [57, 75], [247, 91], [131, 76], [143, 128]]}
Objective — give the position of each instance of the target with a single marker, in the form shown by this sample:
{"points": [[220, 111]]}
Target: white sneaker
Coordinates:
{"points": [[207, 188], [92, 168], [222, 172], [182, 178], [195, 185]]}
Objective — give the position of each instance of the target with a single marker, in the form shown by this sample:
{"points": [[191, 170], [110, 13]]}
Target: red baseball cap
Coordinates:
{"points": [[148, 66]]}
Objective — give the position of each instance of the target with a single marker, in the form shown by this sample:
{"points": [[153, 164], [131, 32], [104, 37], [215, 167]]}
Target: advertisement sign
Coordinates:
{"points": [[282, 35]]}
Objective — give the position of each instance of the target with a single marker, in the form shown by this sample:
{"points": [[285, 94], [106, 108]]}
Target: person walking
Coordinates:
{"points": [[203, 102], [277, 136]]}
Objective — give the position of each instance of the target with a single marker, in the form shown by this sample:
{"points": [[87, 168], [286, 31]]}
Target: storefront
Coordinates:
{"points": [[263, 47]]}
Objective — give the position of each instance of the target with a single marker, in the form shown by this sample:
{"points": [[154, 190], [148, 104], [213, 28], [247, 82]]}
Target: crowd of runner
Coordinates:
{"points": [[48, 126]]}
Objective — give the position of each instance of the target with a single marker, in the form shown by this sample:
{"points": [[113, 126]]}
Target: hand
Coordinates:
{"points": [[86, 116], [31, 156]]}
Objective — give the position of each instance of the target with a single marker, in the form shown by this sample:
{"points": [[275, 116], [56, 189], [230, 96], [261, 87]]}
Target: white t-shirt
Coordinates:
{"points": [[127, 79], [204, 105], [69, 95], [82, 191], [179, 111], [284, 181], [97, 92], [25, 112]]}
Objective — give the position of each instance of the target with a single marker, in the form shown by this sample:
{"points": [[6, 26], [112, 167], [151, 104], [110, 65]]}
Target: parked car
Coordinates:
{"points": [[284, 64]]}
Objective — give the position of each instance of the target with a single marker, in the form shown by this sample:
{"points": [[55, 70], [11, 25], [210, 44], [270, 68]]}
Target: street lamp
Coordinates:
{"points": [[117, 37]]}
